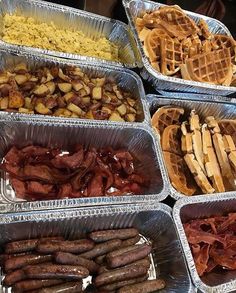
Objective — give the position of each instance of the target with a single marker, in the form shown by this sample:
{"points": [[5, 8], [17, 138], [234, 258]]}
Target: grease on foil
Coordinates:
{"points": [[27, 31]]}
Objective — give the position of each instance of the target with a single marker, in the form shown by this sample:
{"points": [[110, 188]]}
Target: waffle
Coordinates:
{"points": [[176, 22], [186, 139], [179, 174], [211, 164], [204, 30], [171, 56], [224, 41], [199, 176], [213, 67], [170, 140], [152, 43], [212, 124], [166, 116], [228, 126]]}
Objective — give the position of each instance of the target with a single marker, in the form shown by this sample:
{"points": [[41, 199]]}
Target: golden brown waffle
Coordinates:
{"points": [[212, 124], [224, 41], [165, 116], [199, 176], [211, 164], [176, 22], [186, 139], [152, 43], [212, 67], [171, 56], [228, 126], [204, 29], [180, 176], [170, 140]]}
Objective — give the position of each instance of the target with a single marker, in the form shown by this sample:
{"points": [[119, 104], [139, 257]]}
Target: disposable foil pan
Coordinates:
{"points": [[135, 8], [190, 208], [92, 25], [204, 107], [140, 141], [153, 221], [125, 78]]}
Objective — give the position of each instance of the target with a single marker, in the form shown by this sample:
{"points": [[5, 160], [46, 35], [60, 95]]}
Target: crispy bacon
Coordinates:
{"points": [[42, 173], [213, 242]]}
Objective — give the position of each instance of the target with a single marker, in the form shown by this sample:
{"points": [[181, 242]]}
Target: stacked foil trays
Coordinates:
{"points": [[19, 219], [135, 8]]}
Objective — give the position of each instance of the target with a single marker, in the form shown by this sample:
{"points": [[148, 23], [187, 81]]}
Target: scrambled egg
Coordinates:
{"points": [[27, 31]]}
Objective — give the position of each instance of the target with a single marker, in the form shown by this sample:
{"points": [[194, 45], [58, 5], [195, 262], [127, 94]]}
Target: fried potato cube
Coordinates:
{"points": [[40, 108], [97, 93], [116, 117], [16, 99], [65, 87], [86, 100], [130, 117], [41, 90], [28, 104], [63, 76], [4, 103], [77, 85], [89, 115], [51, 86], [25, 111], [67, 113], [4, 78], [74, 115], [131, 102], [59, 112], [21, 78], [68, 96], [75, 109], [122, 109], [21, 68], [98, 81]]}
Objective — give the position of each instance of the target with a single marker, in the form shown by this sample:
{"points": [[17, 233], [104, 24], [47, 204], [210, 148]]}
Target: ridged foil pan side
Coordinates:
{"points": [[204, 107], [92, 25], [154, 222], [189, 208], [126, 79], [140, 141], [136, 8]]}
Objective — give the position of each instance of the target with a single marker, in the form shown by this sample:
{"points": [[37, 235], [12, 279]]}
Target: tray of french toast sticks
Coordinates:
{"points": [[87, 157]]}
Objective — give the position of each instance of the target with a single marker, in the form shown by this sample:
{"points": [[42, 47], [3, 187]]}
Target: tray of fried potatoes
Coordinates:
{"points": [[198, 140]]}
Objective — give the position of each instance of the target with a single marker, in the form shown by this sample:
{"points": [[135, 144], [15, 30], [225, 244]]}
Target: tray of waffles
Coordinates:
{"points": [[198, 144], [181, 50]]}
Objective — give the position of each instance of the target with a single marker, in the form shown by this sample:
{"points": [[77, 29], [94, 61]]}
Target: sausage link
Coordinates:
{"points": [[28, 285], [13, 277], [52, 271], [66, 258], [130, 241], [140, 252], [105, 235], [68, 287], [120, 274], [102, 248], [144, 287], [122, 250], [77, 246], [117, 285], [20, 261], [25, 245]]}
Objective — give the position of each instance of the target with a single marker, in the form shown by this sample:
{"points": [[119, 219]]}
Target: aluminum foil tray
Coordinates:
{"points": [[153, 221], [136, 8], [205, 107], [125, 78], [92, 25], [190, 208], [140, 141]]}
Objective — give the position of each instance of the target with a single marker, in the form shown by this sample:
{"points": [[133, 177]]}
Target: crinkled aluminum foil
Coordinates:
{"points": [[136, 8], [189, 208], [204, 107], [154, 222]]}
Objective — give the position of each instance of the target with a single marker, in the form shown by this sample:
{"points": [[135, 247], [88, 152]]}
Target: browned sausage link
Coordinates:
{"points": [[66, 258], [105, 235], [120, 274], [28, 285], [25, 245], [145, 263], [130, 241], [128, 257], [68, 287], [3, 258], [120, 251], [76, 246], [102, 248], [14, 277], [20, 261], [117, 285], [144, 287], [52, 271]]}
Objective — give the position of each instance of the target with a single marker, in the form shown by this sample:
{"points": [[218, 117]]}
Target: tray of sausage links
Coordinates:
{"points": [[52, 29], [182, 50], [198, 144], [103, 249], [206, 228]]}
